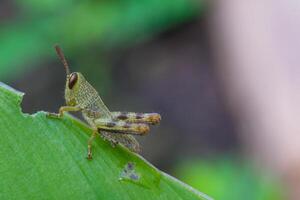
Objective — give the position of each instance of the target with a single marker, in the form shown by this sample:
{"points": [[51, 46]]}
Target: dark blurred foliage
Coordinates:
{"points": [[140, 55], [36, 25]]}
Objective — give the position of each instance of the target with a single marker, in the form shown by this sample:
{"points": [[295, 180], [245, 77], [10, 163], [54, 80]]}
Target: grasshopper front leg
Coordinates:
{"points": [[62, 110], [91, 139]]}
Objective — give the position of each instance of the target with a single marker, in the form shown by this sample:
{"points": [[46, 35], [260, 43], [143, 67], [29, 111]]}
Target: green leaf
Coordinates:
{"points": [[44, 158]]}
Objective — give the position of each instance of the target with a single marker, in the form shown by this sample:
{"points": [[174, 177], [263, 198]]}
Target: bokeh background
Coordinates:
{"points": [[224, 75]]}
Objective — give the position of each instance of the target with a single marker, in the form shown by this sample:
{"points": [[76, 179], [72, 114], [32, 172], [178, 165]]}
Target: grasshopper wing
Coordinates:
{"points": [[126, 140]]}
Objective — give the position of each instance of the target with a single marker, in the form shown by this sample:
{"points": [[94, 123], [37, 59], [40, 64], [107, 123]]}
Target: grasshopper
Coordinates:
{"points": [[116, 127]]}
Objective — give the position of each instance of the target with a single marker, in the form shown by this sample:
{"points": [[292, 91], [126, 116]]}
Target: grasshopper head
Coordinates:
{"points": [[72, 82]]}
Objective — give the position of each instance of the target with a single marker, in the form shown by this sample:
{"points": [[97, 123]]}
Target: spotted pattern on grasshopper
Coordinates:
{"points": [[116, 127]]}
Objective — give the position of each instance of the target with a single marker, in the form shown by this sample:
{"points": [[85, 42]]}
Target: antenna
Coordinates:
{"points": [[62, 58]]}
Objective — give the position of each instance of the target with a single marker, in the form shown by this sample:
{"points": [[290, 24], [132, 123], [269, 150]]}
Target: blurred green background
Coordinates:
{"points": [[141, 55]]}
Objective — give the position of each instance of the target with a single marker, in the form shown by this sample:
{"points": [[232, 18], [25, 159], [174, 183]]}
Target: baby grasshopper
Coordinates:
{"points": [[117, 127]]}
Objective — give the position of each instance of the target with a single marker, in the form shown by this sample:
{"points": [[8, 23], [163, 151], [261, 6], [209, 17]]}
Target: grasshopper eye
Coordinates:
{"points": [[72, 80]]}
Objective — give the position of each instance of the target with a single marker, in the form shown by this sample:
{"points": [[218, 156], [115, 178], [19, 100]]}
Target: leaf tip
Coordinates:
{"points": [[13, 90]]}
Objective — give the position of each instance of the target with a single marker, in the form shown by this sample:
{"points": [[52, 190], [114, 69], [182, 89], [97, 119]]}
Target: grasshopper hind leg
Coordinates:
{"points": [[121, 127], [133, 117]]}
